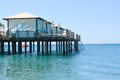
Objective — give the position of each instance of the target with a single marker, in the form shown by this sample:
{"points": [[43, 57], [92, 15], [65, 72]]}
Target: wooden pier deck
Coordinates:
{"points": [[63, 45]]}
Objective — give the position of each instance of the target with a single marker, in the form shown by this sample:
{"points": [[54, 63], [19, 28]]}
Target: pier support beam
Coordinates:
{"points": [[63, 47], [50, 47], [8, 47], [76, 45], [14, 47], [25, 47], [59, 46], [56, 46], [46, 47], [33, 46], [19, 47], [66, 47], [42, 47], [38, 47], [71, 47], [30, 47], [2, 47]]}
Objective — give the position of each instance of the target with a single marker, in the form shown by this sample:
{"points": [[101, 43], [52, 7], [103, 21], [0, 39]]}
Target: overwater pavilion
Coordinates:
{"points": [[26, 27]]}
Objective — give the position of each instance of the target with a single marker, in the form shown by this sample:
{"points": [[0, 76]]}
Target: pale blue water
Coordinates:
{"points": [[97, 62]]}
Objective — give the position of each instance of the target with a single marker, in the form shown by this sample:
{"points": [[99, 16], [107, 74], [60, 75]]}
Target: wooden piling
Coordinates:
{"points": [[33, 46], [76, 45], [42, 47], [8, 47], [56, 46], [50, 47], [66, 47], [63, 47], [46, 47], [38, 47], [2, 47], [13, 47], [25, 47], [30, 46], [60, 46], [71, 47], [19, 47]]}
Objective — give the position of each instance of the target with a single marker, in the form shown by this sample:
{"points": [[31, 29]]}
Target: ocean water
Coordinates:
{"points": [[97, 62]]}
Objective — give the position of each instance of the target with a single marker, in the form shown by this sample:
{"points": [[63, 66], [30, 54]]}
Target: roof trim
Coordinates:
{"points": [[24, 15]]}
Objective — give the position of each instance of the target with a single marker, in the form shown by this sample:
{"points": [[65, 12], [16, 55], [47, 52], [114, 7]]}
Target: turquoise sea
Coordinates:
{"points": [[97, 62]]}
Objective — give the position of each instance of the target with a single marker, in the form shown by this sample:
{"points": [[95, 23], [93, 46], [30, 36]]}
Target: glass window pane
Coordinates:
{"points": [[21, 25]]}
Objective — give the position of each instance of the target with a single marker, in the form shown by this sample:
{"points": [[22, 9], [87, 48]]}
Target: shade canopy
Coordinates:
{"points": [[24, 15]]}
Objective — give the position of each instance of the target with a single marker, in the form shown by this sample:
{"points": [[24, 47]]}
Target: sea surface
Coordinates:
{"points": [[97, 62]]}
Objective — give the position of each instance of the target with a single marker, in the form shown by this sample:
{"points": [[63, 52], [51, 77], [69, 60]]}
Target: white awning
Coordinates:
{"points": [[21, 15]]}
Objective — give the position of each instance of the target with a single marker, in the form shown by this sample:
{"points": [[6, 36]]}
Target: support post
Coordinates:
{"points": [[50, 47], [38, 47], [42, 47], [2, 47], [25, 47], [19, 47], [71, 47], [75, 45], [46, 47], [66, 47], [56, 46], [63, 47], [13, 47], [8, 47], [33, 46], [30, 43], [59, 46]]}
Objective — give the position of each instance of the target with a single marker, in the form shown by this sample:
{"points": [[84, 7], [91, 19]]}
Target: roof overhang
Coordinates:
{"points": [[24, 15]]}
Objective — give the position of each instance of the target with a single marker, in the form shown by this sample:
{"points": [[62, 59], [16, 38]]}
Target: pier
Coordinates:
{"points": [[25, 29]]}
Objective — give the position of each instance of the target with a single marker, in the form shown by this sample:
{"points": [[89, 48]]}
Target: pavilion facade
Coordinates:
{"points": [[27, 25]]}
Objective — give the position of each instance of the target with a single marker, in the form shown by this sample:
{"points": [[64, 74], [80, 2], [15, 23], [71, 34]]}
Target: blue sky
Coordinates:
{"points": [[97, 21]]}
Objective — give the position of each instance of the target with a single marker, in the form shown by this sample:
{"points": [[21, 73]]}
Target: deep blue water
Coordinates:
{"points": [[97, 62]]}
